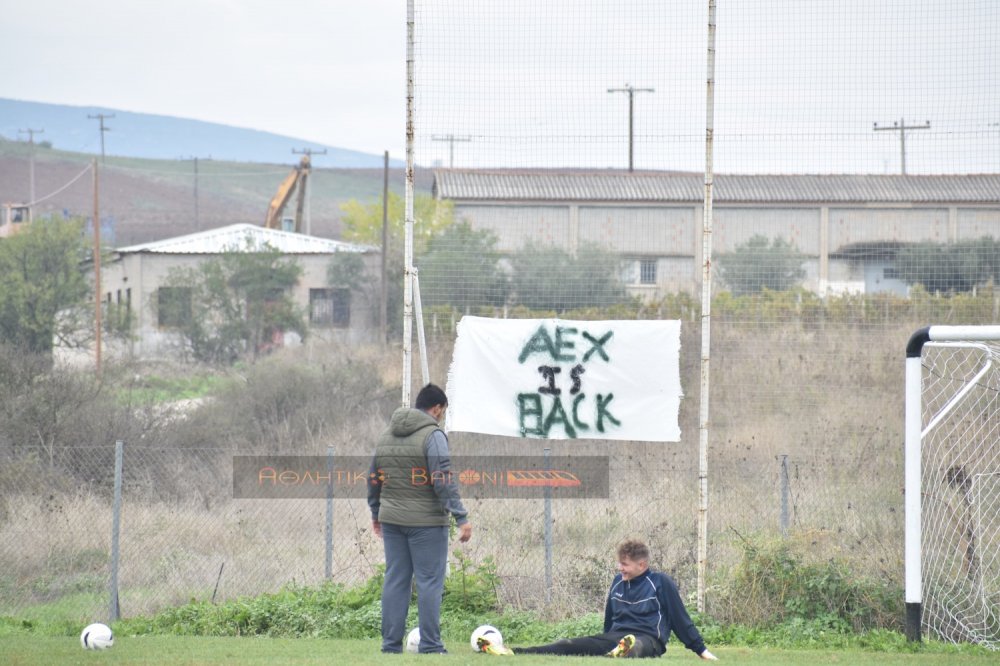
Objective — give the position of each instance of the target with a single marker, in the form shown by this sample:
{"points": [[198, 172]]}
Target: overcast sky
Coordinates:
{"points": [[330, 71], [800, 82]]}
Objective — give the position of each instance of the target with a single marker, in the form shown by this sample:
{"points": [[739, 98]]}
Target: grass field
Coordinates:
{"points": [[20, 650]]}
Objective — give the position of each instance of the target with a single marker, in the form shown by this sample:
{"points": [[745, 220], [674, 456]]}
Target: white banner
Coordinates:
{"points": [[556, 379]]}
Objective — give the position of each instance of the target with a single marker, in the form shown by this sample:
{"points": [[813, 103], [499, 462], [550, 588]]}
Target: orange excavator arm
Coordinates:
{"points": [[295, 180]]}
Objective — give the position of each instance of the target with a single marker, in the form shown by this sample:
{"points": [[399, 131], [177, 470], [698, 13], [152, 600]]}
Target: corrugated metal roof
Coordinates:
{"points": [[235, 237], [513, 185]]}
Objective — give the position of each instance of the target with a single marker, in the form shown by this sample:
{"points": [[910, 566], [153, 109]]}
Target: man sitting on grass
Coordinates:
{"points": [[643, 607]]}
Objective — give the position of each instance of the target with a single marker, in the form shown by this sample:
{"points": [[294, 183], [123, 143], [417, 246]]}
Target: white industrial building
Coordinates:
{"points": [[135, 278], [849, 226]]}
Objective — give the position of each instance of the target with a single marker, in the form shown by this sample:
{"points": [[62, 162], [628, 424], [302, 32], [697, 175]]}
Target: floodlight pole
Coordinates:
{"points": [[408, 214], [706, 312], [630, 91]]}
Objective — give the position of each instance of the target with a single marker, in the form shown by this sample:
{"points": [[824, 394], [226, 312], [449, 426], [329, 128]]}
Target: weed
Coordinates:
{"points": [[471, 588], [773, 585]]}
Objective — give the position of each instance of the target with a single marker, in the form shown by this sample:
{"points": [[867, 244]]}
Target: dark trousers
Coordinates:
{"points": [[420, 555], [596, 645]]}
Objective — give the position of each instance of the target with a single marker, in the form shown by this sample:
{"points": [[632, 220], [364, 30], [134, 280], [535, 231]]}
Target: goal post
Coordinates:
{"points": [[952, 473]]}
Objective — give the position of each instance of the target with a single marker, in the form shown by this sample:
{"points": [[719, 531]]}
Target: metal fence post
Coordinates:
{"points": [[329, 512], [548, 534], [114, 612], [784, 495]]}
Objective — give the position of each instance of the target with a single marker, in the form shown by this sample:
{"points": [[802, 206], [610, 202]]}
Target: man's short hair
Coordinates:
{"points": [[634, 550], [430, 396]]}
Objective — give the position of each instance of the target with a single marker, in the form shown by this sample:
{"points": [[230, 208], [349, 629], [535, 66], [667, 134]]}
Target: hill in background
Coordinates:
{"points": [[148, 199], [152, 136]]}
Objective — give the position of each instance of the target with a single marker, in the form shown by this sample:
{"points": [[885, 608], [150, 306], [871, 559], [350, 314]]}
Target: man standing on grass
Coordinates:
{"points": [[643, 607], [413, 496]]}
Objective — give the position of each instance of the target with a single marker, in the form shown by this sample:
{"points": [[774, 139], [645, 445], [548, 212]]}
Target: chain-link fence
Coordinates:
{"points": [[831, 245], [182, 535]]}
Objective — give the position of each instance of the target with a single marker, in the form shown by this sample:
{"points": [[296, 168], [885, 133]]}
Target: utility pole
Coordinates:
{"points": [[383, 317], [630, 91], [451, 139], [901, 127], [197, 223], [31, 159], [308, 152], [101, 117], [97, 271]]}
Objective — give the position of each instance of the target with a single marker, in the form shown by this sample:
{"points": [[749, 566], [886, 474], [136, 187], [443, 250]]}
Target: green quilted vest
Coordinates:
{"points": [[407, 497]]}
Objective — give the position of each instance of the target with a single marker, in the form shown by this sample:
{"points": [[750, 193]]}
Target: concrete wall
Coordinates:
{"points": [[672, 234], [137, 278]]}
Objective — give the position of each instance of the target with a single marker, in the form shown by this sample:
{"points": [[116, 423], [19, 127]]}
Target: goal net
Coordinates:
{"points": [[953, 514]]}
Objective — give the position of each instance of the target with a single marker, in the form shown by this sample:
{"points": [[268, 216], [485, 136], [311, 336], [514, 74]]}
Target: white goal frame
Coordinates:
{"points": [[914, 434]]}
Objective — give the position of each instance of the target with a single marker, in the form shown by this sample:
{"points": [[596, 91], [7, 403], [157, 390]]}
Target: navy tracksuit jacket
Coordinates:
{"points": [[650, 604]]}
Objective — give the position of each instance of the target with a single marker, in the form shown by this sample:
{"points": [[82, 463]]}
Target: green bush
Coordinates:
{"points": [[760, 264], [329, 610], [470, 588], [774, 585]]}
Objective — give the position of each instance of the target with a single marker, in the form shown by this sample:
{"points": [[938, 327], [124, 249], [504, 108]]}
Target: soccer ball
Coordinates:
{"points": [[487, 631], [413, 640], [97, 636]]}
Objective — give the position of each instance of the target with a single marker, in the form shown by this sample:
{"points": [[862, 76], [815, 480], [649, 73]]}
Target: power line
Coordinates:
{"points": [[901, 127], [52, 194], [630, 91], [101, 117]]}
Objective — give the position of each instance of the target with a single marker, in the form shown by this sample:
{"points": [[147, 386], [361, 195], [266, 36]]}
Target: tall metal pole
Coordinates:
{"points": [[329, 512], [548, 530], [408, 214], [97, 272], [783, 520], [901, 127], [114, 609], [706, 313], [630, 91]]}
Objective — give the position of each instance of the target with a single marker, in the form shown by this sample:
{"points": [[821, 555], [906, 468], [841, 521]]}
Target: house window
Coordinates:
{"points": [[173, 306], [890, 273], [330, 307], [647, 271]]}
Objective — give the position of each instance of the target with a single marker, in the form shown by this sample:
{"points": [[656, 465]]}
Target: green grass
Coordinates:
{"points": [[153, 390], [67, 609], [28, 649]]}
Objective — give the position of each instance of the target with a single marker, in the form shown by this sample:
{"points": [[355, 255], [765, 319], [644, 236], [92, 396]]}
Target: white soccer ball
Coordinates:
{"points": [[487, 631], [413, 640], [97, 636]]}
